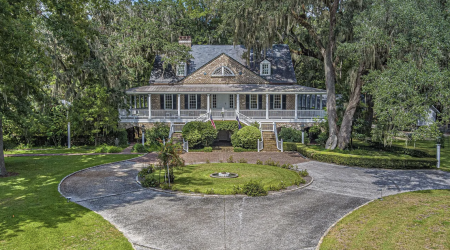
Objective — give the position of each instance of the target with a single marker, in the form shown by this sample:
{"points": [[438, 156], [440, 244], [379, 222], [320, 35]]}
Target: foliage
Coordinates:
{"points": [[300, 181], [303, 173], [368, 161], [289, 146], [122, 136], [271, 162], [150, 181], [199, 134], [170, 158], [239, 149], [242, 160], [290, 135], [227, 125], [139, 148], [230, 159], [207, 149], [259, 162], [108, 149], [157, 133], [146, 170], [246, 137], [253, 188], [209, 191]]}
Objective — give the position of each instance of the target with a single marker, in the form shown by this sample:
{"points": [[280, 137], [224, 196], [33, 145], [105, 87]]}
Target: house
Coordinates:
{"points": [[219, 82], [430, 118]]}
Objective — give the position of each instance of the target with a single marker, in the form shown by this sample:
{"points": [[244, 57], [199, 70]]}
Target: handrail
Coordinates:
{"points": [[279, 143], [171, 130], [185, 146], [245, 119], [260, 143], [202, 118]]}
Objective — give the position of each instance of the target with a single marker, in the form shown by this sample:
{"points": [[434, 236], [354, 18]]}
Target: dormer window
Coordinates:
{"points": [[222, 71], [265, 68], [181, 69]]}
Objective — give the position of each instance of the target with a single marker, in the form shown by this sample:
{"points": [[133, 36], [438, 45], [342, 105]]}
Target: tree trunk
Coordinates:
{"points": [[2, 156], [369, 113], [347, 122], [330, 80]]}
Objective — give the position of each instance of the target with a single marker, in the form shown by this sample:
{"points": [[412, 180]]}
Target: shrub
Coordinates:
{"points": [[270, 162], [259, 162], [237, 190], [122, 135], [287, 166], [282, 185], [366, 161], [196, 190], [199, 133], [139, 148], [289, 146], [303, 173], [154, 148], [210, 191], [114, 149], [207, 161], [174, 188], [8, 143], [227, 125], [207, 149], [146, 171], [290, 135], [299, 181], [158, 132], [230, 159], [165, 186], [150, 181], [273, 188], [101, 149], [247, 137], [194, 138], [238, 149], [253, 188], [242, 160]]}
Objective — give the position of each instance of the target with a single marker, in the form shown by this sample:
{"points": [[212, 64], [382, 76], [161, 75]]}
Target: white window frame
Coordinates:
{"points": [[269, 68], [231, 101], [222, 70], [281, 102], [250, 100], [214, 101], [189, 101], [181, 66], [165, 101]]}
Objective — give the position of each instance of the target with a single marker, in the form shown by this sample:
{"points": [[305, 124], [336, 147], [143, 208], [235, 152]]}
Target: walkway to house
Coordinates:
{"points": [[292, 220]]}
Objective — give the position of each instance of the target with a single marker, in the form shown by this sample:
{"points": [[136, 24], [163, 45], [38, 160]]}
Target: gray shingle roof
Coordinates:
{"points": [[279, 57], [224, 88]]}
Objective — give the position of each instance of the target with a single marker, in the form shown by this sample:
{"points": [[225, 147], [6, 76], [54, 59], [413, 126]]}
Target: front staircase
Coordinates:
{"points": [[177, 137], [270, 143]]}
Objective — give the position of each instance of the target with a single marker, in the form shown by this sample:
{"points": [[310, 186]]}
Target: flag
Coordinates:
{"points": [[212, 122], [239, 122]]}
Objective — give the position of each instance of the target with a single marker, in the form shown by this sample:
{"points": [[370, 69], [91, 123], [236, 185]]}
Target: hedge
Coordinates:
{"points": [[290, 146], [400, 150], [366, 161], [239, 149]]}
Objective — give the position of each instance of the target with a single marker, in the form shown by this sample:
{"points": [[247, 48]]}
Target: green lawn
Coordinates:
{"points": [[416, 220], [33, 215], [196, 177], [73, 150]]}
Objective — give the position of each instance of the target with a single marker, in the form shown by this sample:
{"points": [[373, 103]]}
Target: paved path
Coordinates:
{"points": [[292, 220]]}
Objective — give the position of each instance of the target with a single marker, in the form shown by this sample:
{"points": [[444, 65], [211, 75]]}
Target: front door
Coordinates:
{"points": [[223, 101]]}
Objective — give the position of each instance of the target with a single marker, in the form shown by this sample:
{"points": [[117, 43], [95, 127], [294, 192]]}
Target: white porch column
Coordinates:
{"points": [[321, 96], [179, 106], [267, 106], [296, 106], [238, 104], [134, 101], [207, 103], [149, 106]]}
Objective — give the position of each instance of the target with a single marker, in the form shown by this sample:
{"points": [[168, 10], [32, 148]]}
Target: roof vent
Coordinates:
{"points": [[185, 40]]}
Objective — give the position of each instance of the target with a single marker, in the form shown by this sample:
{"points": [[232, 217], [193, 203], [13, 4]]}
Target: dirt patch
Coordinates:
{"points": [[250, 157], [9, 174]]}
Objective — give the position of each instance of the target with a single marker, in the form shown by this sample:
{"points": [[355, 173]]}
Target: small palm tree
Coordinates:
{"points": [[170, 158]]}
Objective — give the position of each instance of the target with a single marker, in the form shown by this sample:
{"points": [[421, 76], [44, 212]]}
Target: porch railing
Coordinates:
{"points": [[254, 114], [177, 128], [245, 119], [266, 126], [282, 114], [311, 113], [226, 114]]}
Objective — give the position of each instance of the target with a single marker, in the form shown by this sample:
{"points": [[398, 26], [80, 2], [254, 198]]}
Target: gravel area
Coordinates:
{"points": [[291, 220]]}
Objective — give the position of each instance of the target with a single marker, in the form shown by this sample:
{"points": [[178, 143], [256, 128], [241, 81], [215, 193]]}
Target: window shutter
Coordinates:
{"points": [[271, 102], [186, 101], [247, 101], [259, 101], [284, 102], [161, 101], [174, 101], [199, 101]]}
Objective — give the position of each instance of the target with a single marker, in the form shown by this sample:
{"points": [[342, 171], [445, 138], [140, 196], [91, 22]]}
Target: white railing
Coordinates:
{"points": [[226, 114], [282, 114], [266, 126], [254, 114], [177, 127], [260, 143], [202, 118], [171, 131], [192, 114], [245, 119], [185, 146], [279, 143], [311, 113], [166, 114]]}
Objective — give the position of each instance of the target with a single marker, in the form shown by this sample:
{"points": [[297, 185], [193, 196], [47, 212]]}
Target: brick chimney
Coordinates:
{"points": [[185, 40]]}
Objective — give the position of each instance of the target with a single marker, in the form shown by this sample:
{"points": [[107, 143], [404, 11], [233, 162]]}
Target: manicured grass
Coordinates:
{"points": [[416, 220], [365, 152], [196, 177], [73, 150], [33, 215]]}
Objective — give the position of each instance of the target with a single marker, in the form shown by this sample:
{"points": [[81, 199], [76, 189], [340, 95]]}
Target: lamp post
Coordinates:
{"points": [[302, 126], [438, 153], [143, 134]]}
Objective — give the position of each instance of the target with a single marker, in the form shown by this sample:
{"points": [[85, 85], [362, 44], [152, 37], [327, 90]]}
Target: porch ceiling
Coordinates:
{"points": [[225, 88]]}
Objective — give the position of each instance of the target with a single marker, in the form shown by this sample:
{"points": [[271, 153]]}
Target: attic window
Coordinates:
{"points": [[265, 68], [222, 71], [181, 69]]}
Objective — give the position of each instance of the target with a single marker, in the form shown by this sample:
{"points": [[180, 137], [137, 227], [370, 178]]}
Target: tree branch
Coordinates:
{"points": [[303, 22], [305, 51]]}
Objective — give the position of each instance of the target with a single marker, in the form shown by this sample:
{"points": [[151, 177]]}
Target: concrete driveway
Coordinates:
{"points": [[291, 220]]}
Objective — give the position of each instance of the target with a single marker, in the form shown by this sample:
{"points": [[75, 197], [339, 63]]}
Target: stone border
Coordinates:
{"points": [[106, 164], [223, 195]]}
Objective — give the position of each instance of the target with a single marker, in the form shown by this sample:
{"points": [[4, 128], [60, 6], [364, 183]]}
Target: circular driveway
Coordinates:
{"points": [[291, 220]]}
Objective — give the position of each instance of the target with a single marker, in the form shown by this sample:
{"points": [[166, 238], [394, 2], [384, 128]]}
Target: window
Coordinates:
{"points": [[265, 68], [214, 101], [181, 69], [253, 101], [168, 101], [192, 101], [276, 101], [231, 101], [222, 71]]}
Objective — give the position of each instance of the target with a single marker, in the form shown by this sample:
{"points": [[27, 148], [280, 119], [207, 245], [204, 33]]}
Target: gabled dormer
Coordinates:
{"points": [[182, 69], [265, 68]]}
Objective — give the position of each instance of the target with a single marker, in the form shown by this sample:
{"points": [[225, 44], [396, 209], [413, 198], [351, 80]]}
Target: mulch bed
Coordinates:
{"points": [[9, 174]]}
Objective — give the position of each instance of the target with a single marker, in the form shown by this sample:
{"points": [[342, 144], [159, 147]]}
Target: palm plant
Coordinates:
{"points": [[169, 157]]}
